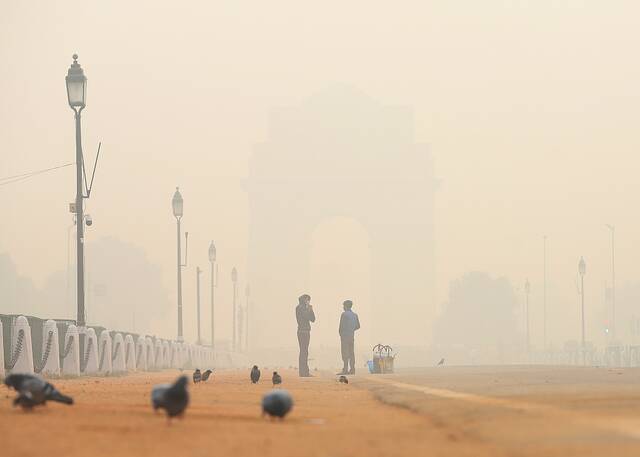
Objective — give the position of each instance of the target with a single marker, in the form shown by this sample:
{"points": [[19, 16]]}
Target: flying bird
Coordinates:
{"points": [[276, 378], [197, 376], [277, 403], [343, 379], [441, 362], [173, 398], [255, 374], [33, 391], [206, 374]]}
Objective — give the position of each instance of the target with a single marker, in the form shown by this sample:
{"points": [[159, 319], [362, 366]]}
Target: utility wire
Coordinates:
{"points": [[22, 177]]}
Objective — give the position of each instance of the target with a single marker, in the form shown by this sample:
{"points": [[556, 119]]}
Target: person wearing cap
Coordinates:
{"points": [[349, 323], [304, 316]]}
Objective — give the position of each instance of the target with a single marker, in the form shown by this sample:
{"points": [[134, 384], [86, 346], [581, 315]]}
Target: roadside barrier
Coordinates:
{"points": [[1, 351], [105, 366], [71, 353], [129, 353], [21, 351], [158, 360], [50, 362], [150, 353], [141, 354], [118, 363], [89, 360], [166, 354]]}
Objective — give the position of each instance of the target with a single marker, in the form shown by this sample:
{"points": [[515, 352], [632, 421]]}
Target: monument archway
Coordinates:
{"points": [[342, 154]]}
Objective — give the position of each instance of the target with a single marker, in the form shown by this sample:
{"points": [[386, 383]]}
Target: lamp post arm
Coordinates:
{"points": [[93, 174]]}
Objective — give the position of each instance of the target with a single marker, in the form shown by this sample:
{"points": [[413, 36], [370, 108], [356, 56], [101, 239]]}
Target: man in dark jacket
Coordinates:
{"points": [[349, 323], [304, 316]]}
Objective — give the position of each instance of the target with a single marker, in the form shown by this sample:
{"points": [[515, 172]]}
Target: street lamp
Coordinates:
{"points": [[178, 211], [198, 271], [582, 269], [613, 280], [527, 290], [76, 93], [247, 293], [234, 279], [212, 261]]}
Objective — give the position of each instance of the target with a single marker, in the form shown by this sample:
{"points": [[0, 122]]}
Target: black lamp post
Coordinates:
{"points": [[76, 94], [234, 279], [212, 261], [178, 211], [582, 269]]}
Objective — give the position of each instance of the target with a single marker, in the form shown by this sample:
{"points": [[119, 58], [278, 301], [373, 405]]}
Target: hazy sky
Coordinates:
{"points": [[530, 109]]}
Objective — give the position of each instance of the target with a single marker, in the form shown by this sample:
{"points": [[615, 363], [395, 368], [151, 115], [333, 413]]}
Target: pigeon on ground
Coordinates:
{"points": [[343, 379], [276, 378], [206, 374], [197, 376], [441, 362], [277, 403], [255, 374], [173, 398], [33, 391]]}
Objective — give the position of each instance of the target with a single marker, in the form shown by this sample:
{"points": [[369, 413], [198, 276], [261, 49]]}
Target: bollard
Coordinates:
{"points": [[141, 354], [21, 351], [105, 365], [89, 360], [159, 356], [71, 354], [175, 355], [50, 363], [129, 353], [148, 341], [166, 354], [1, 351], [118, 362]]}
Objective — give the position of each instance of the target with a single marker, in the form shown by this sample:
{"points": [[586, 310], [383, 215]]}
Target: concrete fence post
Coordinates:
{"points": [[50, 362], [89, 360], [141, 354], [158, 354], [130, 353], [21, 350], [71, 352], [150, 353], [119, 364], [105, 364]]}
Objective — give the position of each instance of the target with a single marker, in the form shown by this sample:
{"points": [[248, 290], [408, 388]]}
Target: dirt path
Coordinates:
{"points": [[112, 417]]}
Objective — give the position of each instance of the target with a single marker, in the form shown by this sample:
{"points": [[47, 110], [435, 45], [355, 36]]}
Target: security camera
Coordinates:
{"points": [[89, 220]]}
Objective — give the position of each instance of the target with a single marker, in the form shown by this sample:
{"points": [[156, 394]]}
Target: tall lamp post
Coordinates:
{"points": [[527, 290], [234, 279], [198, 271], [76, 93], [178, 211], [212, 261], [613, 280], [247, 293], [582, 269]]}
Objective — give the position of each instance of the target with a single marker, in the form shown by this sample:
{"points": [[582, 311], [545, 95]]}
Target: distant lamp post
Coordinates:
{"points": [[178, 211], [76, 93], [234, 279], [212, 261], [582, 269], [247, 293], [527, 290], [613, 280], [198, 271]]}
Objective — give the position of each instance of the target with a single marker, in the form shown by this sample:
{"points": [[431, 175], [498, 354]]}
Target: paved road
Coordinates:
{"points": [[524, 411]]}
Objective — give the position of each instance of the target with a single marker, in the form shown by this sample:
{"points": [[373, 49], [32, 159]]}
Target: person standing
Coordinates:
{"points": [[304, 316], [349, 323]]}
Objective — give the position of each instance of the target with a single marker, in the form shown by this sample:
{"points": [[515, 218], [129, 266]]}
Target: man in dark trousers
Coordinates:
{"points": [[349, 323], [304, 316]]}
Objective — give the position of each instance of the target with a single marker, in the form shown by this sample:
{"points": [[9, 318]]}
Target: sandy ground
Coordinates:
{"points": [[446, 411], [112, 416]]}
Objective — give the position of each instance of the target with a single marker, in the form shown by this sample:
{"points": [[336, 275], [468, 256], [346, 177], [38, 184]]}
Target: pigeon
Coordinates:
{"points": [[33, 391], [441, 362], [276, 378], [277, 403], [197, 376], [343, 379], [255, 374], [174, 398], [206, 374]]}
